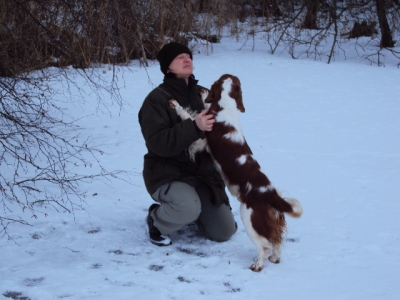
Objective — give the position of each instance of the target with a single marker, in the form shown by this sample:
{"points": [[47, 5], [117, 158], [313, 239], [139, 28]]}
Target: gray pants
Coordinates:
{"points": [[182, 204]]}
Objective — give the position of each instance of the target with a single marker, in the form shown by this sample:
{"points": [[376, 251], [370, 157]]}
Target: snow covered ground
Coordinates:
{"points": [[328, 135]]}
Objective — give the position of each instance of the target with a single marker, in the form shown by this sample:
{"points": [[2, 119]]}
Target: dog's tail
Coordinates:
{"points": [[290, 206], [297, 209]]}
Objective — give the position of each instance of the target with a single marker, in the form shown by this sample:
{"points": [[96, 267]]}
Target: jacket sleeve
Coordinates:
{"points": [[164, 134]]}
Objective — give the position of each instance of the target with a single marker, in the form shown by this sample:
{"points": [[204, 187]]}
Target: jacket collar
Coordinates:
{"points": [[179, 89]]}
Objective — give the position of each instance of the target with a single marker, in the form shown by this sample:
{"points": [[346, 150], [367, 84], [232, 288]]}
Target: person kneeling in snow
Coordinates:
{"points": [[185, 190]]}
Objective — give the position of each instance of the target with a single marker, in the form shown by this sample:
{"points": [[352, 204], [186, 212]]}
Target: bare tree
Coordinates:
{"points": [[386, 34], [311, 18], [41, 146], [42, 150], [318, 28]]}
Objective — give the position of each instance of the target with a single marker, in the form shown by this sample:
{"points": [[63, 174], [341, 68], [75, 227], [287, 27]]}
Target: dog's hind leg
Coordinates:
{"points": [[276, 254], [263, 251], [263, 246]]}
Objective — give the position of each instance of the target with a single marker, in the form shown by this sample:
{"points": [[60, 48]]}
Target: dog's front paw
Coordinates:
{"points": [[173, 104], [203, 94], [256, 268]]}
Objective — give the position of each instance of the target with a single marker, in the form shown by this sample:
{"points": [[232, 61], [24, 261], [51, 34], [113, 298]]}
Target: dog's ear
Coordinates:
{"points": [[236, 93], [215, 92], [239, 103]]}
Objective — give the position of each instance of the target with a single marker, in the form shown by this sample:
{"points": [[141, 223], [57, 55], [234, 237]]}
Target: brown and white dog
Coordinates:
{"points": [[262, 208]]}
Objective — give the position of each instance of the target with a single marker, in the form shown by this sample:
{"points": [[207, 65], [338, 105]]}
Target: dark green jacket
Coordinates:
{"points": [[167, 139]]}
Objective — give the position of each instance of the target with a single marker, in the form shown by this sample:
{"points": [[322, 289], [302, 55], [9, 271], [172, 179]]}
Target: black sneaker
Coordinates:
{"points": [[154, 234]]}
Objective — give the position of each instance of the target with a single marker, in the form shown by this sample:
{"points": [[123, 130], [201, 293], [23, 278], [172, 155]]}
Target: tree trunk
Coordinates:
{"points": [[310, 21], [203, 5], [386, 34], [273, 8]]}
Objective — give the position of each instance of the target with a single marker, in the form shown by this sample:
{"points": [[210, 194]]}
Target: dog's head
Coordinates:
{"points": [[230, 84]]}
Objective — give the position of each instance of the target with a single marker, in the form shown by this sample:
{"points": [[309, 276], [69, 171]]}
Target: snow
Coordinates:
{"points": [[328, 135]]}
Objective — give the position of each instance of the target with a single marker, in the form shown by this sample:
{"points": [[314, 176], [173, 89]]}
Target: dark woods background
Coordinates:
{"points": [[44, 159], [42, 33]]}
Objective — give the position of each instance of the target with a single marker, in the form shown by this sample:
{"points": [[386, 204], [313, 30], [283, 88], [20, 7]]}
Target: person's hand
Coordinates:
{"points": [[205, 122]]}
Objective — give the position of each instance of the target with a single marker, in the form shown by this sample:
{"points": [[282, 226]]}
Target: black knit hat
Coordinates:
{"points": [[168, 53]]}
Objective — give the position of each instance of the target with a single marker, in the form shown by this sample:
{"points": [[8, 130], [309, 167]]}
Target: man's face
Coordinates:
{"points": [[182, 66]]}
